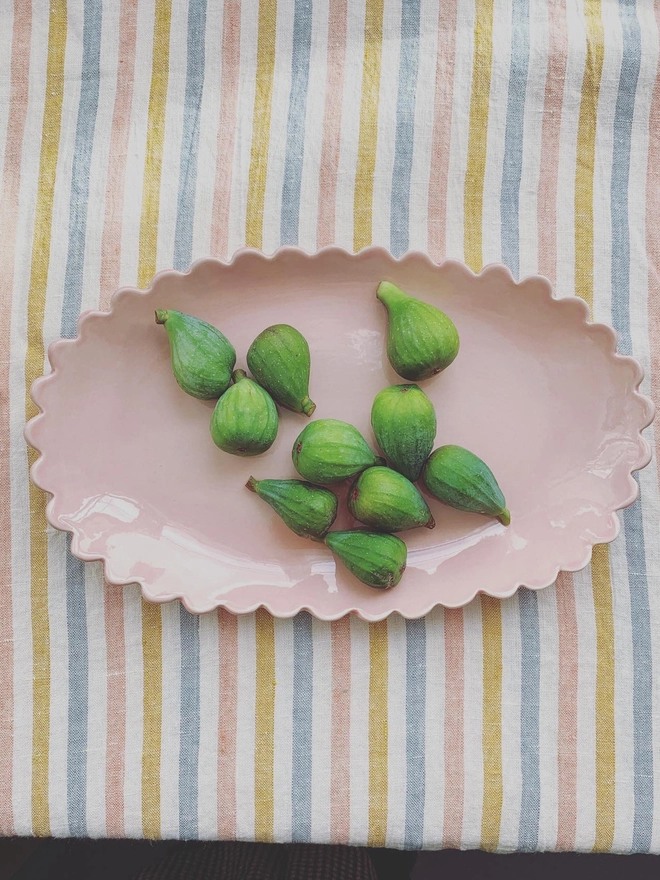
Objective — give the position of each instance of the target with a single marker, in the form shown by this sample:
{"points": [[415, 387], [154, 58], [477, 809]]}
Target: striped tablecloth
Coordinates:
{"points": [[141, 135]]}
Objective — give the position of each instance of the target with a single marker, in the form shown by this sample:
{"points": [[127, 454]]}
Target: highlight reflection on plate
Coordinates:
{"points": [[536, 391]]}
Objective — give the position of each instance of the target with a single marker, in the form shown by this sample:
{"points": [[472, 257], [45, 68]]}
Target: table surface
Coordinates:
{"points": [[136, 136]]}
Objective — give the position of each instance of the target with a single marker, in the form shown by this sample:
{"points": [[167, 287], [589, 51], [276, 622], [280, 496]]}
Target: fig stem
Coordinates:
{"points": [[237, 375], [504, 517], [251, 484], [431, 523], [161, 316], [308, 406]]}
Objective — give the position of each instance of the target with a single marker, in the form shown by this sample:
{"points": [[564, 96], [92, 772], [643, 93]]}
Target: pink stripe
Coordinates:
{"points": [[109, 281], [325, 231], [653, 243], [454, 769], [9, 207], [231, 56], [441, 138], [228, 647], [568, 697], [554, 94], [339, 732]]}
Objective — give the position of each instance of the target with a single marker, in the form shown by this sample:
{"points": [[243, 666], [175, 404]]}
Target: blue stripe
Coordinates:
{"points": [[405, 128], [528, 829], [189, 725], [415, 732], [530, 695], [76, 604], [301, 783], [183, 244], [183, 234], [295, 127], [632, 516], [513, 138]]}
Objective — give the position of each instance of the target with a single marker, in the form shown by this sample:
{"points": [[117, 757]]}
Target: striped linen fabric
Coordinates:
{"points": [[137, 135]]}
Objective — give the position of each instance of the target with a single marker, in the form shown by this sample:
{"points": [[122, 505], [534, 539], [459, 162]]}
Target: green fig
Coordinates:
{"points": [[202, 358], [279, 361], [462, 480], [404, 423], [244, 421], [384, 499], [421, 340], [329, 451], [376, 559], [308, 510]]}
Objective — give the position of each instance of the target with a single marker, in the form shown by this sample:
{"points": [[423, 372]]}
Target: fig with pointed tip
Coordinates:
{"points": [[307, 510], [202, 358], [404, 424], [244, 421], [384, 499], [421, 340], [279, 361], [459, 478], [376, 559], [329, 451]]}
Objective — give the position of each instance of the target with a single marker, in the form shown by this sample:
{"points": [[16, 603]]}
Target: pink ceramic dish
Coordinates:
{"points": [[537, 391]]}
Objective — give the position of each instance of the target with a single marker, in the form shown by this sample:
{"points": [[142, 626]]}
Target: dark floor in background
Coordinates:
{"points": [[27, 859]]}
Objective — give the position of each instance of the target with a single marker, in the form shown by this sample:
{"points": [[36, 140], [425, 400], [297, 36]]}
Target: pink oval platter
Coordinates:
{"points": [[537, 391]]}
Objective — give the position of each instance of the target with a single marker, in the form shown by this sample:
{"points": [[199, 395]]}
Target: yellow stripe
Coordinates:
{"points": [[605, 731], [478, 134], [378, 767], [263, 96], [368, 138], [600, 569], [152, 621], [154, 146], [34, 366], [152, 658], [491, 816], [264, 727]]}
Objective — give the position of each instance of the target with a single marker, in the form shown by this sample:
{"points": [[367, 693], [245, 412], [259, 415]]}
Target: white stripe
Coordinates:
{"points": [[418, 224], [434, 729], [208, 130], [314, 113], [586, 711], [532, 132], [18, 472], [6, 40], [134, 711], [99, 166], [278, 128], [473, 758], [209, 719], [350, 124], [511, 706], [97, 672], [243, 142], [176, 92], [283, 730], [386, 135], [170, 720], [548, 716], [497, 111], [58, 735], [460, 127], [624, 768], [321, 730], [137, 145], [396, 731], [245, 709], [609, 86], [570, 112], [359, 733]]}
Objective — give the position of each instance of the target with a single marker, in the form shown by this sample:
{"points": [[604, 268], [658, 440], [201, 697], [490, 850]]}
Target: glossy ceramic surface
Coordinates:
{"points": [[536, 391]]}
